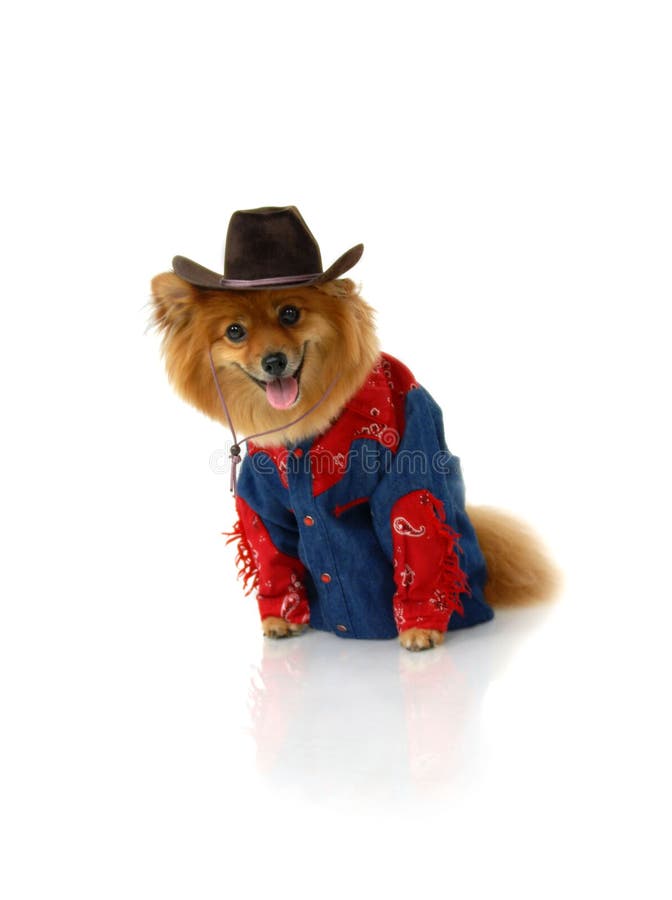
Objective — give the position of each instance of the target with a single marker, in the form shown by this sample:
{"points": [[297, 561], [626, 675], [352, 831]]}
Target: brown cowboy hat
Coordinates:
{"points": [[267, 248]]}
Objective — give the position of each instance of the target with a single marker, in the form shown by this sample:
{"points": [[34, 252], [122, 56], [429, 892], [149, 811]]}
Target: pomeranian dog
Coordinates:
{"points": [[351, 512]]}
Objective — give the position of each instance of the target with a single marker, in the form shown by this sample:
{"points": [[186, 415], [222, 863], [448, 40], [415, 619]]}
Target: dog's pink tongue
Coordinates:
{"points": [[282, 392]]}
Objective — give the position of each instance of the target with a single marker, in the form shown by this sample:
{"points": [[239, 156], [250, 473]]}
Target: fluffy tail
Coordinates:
{"points": [[519, 569]]}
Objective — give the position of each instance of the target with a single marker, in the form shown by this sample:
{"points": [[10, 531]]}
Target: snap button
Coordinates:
{"points": [[326, 577], [308, 520], [342, 627], [298, 453]]}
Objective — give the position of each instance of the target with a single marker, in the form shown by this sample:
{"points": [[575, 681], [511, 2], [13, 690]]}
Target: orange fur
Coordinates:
{"points": [[273, 627], [519, 570], [336, 329], [420, 638]]}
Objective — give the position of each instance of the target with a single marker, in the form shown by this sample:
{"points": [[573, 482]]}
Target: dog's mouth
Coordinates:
{"points": [[282, 393]]}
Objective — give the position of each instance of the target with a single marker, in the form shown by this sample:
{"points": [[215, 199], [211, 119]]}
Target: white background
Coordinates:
{"points": [[507, 166]]}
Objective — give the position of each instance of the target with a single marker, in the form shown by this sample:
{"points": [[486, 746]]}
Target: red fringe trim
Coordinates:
{"points": [[247, 570], [452, 580]]}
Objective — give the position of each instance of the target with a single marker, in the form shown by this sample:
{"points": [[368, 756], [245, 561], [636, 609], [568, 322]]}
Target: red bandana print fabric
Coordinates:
{"points": [[426, 564]]}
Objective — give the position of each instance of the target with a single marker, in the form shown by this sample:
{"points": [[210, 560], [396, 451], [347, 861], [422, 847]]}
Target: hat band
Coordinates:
{"points": [[258, 282]]}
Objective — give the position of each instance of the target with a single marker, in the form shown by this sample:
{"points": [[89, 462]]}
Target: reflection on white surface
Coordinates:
{"points": [[352, 723]]}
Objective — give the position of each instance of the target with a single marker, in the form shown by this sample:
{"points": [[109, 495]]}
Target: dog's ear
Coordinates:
{"points": [[340, 287], [173, 301]]}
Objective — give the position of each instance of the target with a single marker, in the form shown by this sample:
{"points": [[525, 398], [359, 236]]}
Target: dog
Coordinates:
{"points": [[351, 507]]}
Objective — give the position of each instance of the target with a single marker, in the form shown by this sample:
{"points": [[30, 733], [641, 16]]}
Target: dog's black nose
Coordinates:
{"points": [[274, 364]]}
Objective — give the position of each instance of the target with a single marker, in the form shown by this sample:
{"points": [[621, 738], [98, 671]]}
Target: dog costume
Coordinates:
{"points": [[361, 530]]}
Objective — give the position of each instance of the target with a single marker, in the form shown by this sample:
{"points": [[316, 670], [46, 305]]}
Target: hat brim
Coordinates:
{"points": [[201, 277]]}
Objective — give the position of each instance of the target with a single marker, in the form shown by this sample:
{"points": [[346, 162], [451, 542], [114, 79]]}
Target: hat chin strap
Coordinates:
{"points": [[234, 452]]}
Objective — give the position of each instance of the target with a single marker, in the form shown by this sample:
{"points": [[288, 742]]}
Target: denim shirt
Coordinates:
{"points": [[362, 531]]}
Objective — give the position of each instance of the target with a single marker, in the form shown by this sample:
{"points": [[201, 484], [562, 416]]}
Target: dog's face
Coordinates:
{"points": [[276, 352]]}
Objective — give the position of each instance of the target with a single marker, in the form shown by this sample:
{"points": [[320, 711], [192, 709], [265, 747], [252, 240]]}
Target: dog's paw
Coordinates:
{"points": [[420, 638], [273, 627]]}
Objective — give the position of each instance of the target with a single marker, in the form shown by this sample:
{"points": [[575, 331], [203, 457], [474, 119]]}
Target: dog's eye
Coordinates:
{"points": [[289, 315], [235, 332]]}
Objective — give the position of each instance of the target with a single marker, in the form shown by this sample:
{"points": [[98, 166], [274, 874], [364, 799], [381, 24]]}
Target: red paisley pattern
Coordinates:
{"points": [[277, 577], [375, 412], [426, 564]]}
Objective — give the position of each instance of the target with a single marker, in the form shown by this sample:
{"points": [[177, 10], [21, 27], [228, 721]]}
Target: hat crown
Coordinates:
{"points": [[268, 248], [270, 242]]}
